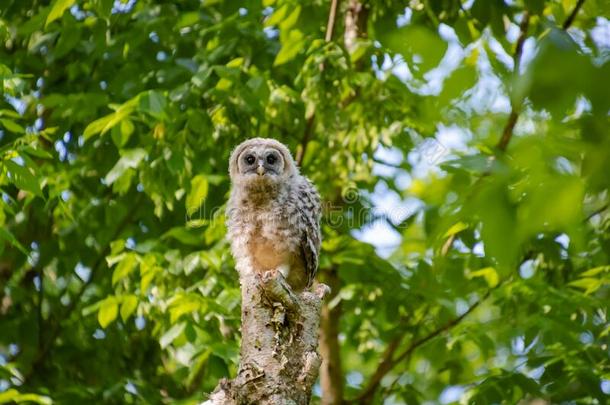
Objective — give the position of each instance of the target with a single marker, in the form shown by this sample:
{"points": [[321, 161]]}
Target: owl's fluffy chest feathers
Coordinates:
{"points": [[269, 234], [266, 253], [263, 232]]}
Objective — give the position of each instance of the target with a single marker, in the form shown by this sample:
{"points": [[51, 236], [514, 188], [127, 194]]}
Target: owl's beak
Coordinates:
{"points": [[260, 170]]}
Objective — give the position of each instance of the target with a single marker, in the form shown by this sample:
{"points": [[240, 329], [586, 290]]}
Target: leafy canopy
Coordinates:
{"points": [[116, 122]]}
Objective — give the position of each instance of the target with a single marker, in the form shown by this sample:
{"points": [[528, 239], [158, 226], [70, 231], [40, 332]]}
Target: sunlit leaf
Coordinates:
{"points": [[291, 47], [109, 309], [23, 178], [124, 268], [58, 9], [130, 159], [129, 303], [172, 334], [489, 273]]}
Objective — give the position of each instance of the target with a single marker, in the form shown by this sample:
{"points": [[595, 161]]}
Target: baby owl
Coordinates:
{"points": [[273, 214]]}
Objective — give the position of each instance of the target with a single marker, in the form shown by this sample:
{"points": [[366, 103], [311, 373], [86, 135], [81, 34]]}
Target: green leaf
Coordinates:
{"points": [[29, 398], [124, 268], [58, 9], [104, 124], [120, 134], [461, 80], [11, 126], [455, 228], [131, 159], [10, 238], [8, 395], [499, 225], [171, 335], [198, 193], [294, 43], [183, 305], [277, 16], [555, 203], [590, 285], [417, 43], [153, 102], [129, 303], [23, 178], [39, 153], [595, 271], [291, 19], [489, 273], [190, 237], [109, 309], [97, 126], [148, 271]]}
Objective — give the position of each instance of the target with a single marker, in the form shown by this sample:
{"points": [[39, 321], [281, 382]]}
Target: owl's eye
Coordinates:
{"points": [[250, 159], [271, 159]]}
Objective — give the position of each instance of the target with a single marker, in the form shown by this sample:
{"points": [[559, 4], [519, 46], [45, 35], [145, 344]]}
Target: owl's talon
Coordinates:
{"points": [[268, 276]]}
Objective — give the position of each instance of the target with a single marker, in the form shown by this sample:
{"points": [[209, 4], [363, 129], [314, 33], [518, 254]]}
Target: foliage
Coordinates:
{"points": [[116, 122]]}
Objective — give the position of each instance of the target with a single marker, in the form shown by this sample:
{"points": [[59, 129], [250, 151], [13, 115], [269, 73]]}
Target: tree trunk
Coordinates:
{"points": [[356, 17], [279, 360], [331, 374]]}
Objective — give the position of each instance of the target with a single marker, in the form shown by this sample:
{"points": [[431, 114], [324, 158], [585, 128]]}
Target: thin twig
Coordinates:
{"points": [[597, 212], [388, 364], [452, 323], [568, 22], [306, 136], [330, 25], [309, 125], [383, 368], [507, 133], [39, 316]]}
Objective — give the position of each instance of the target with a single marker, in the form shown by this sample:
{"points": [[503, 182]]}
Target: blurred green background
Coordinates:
{"points": [[462, 150]]}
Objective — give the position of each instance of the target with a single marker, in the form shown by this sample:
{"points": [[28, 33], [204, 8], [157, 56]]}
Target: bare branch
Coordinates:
{"points": [[597, 212], [330, 25], [568, 22], [385, 365]]}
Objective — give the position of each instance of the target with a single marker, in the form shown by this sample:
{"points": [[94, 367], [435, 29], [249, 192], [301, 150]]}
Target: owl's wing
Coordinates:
{"points": [[309, 216]]}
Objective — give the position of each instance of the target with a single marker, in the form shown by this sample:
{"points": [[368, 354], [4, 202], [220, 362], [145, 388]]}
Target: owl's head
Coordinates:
{"points": [[261, 160]]}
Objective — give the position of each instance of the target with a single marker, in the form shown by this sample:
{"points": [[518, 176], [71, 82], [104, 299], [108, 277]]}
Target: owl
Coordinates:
{"points": [[273, 213]]}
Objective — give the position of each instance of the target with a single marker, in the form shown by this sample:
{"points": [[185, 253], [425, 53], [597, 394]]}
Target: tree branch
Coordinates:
{"points": [[388, 362], [507, 133], [568, 22], [39, 316], [597, 212], [306, 137], [330, 25], [384, 367], [331, 373], [309, 126]]}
